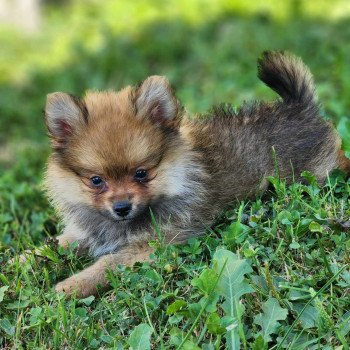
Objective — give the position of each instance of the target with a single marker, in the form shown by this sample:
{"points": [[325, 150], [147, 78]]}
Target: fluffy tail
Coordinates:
{"points": [[288, 76]]}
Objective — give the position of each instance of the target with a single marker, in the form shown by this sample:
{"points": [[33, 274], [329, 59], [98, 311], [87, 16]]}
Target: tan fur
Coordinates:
{"points": [[87, 281], [343, 162], [57, 180], [112, 117], [71, 234]]}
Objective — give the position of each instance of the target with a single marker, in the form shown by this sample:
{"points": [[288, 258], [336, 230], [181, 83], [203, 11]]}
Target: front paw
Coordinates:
{"points": [[77, 285]]}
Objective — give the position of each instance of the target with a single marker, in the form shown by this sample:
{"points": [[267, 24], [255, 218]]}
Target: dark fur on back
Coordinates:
{"points": [[242, 146]]}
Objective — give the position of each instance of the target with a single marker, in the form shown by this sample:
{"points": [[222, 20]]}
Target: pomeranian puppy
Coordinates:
{"points": [[118, 156]]}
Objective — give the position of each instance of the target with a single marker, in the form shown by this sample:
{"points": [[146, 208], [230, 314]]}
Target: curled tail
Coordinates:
{"points": [[288, 76]]}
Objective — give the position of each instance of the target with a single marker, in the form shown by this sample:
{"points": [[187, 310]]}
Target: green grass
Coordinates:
{"points": [[287, 254]]}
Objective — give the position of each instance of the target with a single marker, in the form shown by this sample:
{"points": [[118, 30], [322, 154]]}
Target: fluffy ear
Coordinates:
{"points": [[65, 115], [155, 99]]}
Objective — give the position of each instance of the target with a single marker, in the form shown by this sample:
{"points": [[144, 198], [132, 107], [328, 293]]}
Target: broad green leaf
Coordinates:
{"points": [[285, 217], [2, 292], [214, 324], [268, 320], [154, 276], [193, 247], [294, 245], [208, 347], [7, 326], [87, 301], [344, 326], [236, 233], [81, 312], [259, 343], [210, 302], [176, 338], [315, 227], [205, 281], [18, 304], [301, 341], [232, 287], [206, 284], [94, 343], [309, 317], [190, 345], [175, 306], [107, 338], [194, 309], [35, 313], [140, 337], [309, 177]]}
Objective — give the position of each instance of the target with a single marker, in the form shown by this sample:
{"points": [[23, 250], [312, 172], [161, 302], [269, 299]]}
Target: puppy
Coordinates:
{"points": [[117, 157]]}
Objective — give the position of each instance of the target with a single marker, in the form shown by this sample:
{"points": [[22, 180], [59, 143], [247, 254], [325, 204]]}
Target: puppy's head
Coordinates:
{"points": [[116, 152]]}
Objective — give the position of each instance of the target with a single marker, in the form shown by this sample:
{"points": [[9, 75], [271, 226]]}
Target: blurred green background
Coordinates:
{"points": [[208, 50]]}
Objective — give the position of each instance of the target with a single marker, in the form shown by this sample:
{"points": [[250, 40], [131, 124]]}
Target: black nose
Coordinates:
{"points": [[122, 208]]}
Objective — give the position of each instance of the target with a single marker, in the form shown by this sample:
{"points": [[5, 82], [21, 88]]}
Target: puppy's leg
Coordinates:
{"points": [[65, 239], [85, 282]]}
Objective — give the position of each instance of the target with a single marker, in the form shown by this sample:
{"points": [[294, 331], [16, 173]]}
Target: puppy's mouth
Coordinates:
{"points": [[111, 216], [133, 215], [123, 220], [119, 219]]}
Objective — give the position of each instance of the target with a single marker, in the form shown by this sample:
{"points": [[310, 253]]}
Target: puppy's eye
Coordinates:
{"points": [[96, 181], [141, 175]]}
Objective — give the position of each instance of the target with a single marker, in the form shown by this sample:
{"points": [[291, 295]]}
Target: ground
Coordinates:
{"points": [[272, 274]]}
